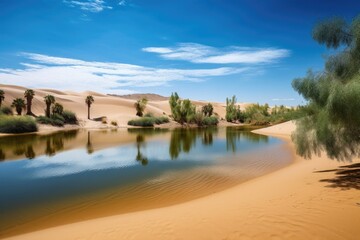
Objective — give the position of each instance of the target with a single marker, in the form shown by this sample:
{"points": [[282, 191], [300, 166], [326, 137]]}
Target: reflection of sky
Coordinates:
{"points": [[77, 161]]}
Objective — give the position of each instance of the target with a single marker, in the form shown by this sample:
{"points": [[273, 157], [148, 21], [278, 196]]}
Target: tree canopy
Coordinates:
{"points": [[333, 95]]}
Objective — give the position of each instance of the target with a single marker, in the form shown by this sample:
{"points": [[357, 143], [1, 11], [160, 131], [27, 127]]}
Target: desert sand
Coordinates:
{"points": [[295, 202]]}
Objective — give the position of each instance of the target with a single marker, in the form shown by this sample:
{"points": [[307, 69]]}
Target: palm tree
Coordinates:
{"points": [[2, 96], [140, 106], [57, 109], [29, 95], [19, 105], [49, 100], [89, 100]]}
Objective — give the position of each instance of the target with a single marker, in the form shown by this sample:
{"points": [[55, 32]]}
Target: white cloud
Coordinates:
{"points": [[43, 71], [89, 5], [122, 3], [198, 53], [283, 99]]}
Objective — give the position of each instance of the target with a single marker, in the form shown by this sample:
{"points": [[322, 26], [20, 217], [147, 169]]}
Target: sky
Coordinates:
{"points": [[202, 49]]}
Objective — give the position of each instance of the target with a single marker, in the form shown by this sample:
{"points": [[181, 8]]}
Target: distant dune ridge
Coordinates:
{"points": [[114, 107]]}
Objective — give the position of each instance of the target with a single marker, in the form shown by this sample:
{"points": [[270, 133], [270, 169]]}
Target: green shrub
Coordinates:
{"points": [[210, 121], [142, 122], [6, 111], [55, 121], [69, 117], [17, 124], [149, 115], [161, 120]]}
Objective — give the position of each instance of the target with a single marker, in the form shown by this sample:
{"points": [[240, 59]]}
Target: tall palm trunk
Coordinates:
{"points": [[88, 111], [48, 110], [28, 106]]}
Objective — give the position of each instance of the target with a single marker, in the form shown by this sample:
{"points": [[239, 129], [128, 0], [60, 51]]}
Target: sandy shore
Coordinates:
{"points": [[292, 203]]}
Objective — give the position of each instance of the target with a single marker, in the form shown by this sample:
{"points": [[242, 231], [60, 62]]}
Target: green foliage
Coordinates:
{"points": [[210, 121], [183, 111], [54, 120], [207, 109], [2, 96], [17, 124], [142, 122], [333, 95], [233, 112], [29, 95], [6, 111], [140, 106], [57, 109], [161, 120], [89, 100], [18, 104], [49, 100], [69, 117], [148, 121]]}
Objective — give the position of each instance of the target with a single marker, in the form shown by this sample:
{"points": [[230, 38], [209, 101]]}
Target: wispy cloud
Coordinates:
{"points": [[89, 5], [198, 53], [43, 71], [122, 3], [283, 99]]}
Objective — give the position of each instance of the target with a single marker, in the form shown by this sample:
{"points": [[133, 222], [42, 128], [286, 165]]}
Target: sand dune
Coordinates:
{"points": [[117, 108], [292, 203]]}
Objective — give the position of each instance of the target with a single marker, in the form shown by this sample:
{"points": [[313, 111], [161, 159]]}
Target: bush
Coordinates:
{"points": [[148, 121], [114, 123], [55, 121], [149, 115], [69, 117], [161, 120], [210, 121], [142, 122], [17, 124], [6, 111]]}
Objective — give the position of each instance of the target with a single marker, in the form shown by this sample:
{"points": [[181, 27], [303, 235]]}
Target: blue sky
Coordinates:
{"points": [[205, 50]]}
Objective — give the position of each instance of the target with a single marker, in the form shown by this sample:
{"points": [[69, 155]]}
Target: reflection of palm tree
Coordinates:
{"points": [[89, 146], [233, 136], [181, 140], [207, 137], [2, 155], [49, 150], [29, 152], [140, 140]]}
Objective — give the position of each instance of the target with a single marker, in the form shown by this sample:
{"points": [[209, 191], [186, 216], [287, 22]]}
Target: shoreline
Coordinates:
{"points": [[290, 203]]}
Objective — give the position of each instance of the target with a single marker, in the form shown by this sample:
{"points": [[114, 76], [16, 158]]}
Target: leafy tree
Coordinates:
{"points": [[333, 95], [18, 104], [29, 95], [2, 96], [183, 111], [57, 109], [140, 106], [233, 112], [207, 109], [49, 100], [173, 102], [89, 100]]}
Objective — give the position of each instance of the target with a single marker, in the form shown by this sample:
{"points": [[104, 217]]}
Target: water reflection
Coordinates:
{"points": [[101, 171], [25, 145], [235, 134], [181, 140]]}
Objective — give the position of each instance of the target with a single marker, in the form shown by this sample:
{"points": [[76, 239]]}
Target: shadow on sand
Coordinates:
{"points": [[346, 177]]}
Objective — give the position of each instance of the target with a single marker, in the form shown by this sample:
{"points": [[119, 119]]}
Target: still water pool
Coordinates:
{"points": [[70, 176]]}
